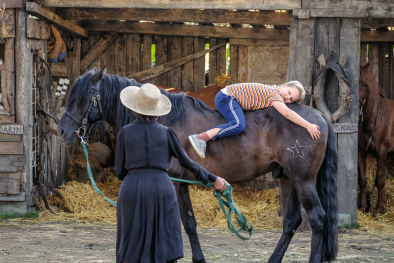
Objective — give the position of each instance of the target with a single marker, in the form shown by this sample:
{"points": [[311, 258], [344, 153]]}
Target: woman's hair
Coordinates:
{"points": [[300, 88], [145, 117]]}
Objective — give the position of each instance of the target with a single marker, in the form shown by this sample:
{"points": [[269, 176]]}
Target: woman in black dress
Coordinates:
{"points": [[149, 227]]}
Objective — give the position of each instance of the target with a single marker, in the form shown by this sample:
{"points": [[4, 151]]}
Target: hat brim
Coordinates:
{"points": [[129, 99]]}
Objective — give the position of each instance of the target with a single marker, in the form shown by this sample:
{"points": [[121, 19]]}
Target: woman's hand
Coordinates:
{"points": [[313, 130], [220, 184]]}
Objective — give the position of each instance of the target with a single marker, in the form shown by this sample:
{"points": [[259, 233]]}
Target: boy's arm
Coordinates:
{"points": [[297, 119]]}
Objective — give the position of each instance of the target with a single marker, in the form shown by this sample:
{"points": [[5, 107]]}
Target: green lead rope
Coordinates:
{"points": [[228, 202]]}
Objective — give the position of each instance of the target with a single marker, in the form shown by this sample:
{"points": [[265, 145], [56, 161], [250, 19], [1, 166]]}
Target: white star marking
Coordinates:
{"points": [[297, 150]]}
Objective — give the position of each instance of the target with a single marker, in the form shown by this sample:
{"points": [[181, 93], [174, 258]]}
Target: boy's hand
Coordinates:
{"points": [[220, 184], [313, 129]]}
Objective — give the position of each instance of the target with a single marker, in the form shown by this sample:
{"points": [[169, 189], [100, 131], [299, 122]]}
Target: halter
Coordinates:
{"points": [[361, 117], [81, 131]]}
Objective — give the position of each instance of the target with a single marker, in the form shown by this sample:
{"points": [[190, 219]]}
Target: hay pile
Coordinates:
{"points": [[384, 222], [82, 203], [223, 80]]}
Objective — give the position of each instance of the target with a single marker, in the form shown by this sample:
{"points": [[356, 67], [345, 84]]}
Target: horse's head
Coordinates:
{"points": [[82, 98], [365, 78]]}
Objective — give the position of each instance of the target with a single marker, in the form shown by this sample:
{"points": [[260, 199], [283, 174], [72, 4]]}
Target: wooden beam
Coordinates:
{"points": [[371, 12], [97, 49], [7, 23], [178, 15], [11, 148], [37, 29], [176, 4], [156, 71], [11, 4], [12, 163], [377, 36], [68, 26], [187, 30], [258, 42], [58, 69]]}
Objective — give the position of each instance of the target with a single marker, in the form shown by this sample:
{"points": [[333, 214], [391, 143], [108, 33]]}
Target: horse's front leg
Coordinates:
{"points": [[362, 178], [189, 222], [291, 219], [380, 179]]}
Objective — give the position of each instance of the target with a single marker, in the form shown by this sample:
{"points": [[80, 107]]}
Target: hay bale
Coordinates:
{"points": [[81, 168], [101, 151], [223, 80]]}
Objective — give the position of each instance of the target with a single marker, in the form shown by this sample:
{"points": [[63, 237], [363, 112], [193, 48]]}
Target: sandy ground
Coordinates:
{"points": [[29, 241]]}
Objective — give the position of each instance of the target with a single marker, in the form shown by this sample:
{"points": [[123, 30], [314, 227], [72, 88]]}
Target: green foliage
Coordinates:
{"points": [[351, 226], [31, 214]]}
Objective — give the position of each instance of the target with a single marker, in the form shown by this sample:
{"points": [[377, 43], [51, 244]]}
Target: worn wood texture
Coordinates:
{"points": [[12, 4], [4, 99], [391, 57], [178, 15], [10, 183], [347, 143], [120, 44], [11, 163], [97, 49], [234, 62], [363, 53], [175, 52], [377, 36], [7, 118], [187, 68], [76, 58], [9, 61], [169, 66], [94, 38], [147, 54], [212, 61], [161, 58], [66, 25], [221, 63], [199, 65], [58, 69], [242, 63], [11, 147], [173, 4], [258, 42], [187, 30], [133, 53], [373, 56], [21, 197], [384, 66], [10, 137], [375, 12], [38, 29], [8, 23]]}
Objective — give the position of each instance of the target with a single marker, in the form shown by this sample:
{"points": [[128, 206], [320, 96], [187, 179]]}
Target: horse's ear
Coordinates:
{"points": [[93, 70], [368, 64], [103, 71]]}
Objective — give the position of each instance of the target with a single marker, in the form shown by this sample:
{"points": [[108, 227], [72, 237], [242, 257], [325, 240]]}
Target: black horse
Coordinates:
{"points": [[269, 142]]}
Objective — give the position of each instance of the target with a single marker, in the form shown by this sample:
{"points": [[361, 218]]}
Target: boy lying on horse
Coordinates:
{"points": [[232, 100]]}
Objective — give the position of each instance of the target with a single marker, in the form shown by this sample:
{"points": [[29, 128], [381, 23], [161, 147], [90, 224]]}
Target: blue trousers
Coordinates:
{"points": [[233, 113]]}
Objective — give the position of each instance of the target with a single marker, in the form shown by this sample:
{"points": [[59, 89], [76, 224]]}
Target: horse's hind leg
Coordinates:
{"points": [[189, 222], [380, 179], [309, 198], [291, 219]]}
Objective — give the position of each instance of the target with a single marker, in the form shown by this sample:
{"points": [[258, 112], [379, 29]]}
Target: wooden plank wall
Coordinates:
{"points": [[381, 56], [131, 53]]}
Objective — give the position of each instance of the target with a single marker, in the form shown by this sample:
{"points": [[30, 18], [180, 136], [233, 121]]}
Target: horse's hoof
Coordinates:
{"points": [[363, 209], [199, 261], [379, 211]]}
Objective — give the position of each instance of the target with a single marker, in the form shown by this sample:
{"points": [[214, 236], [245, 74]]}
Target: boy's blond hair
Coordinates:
{"points": [[300, 88]]}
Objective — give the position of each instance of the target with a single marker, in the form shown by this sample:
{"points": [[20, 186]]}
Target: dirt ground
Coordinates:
{"points": [[29, 241]]}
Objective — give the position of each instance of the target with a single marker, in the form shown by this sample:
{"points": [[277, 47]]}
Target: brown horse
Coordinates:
{"points": [[269, 142], [207, 95], [376, 133]]}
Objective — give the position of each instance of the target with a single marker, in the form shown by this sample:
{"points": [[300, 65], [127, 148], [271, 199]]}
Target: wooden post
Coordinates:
{"points": [[133, 53], [221, 57], [199, 65], [147, 54], [234, 62], [242, 63], [175, 75], [161, 58], [9, 61], [187, 69], [212, 61]]}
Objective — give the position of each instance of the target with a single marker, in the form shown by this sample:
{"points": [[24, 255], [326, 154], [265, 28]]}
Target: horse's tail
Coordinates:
{"points": [[326, 186]]}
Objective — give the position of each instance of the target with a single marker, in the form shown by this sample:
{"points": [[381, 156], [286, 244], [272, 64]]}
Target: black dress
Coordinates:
{"points": [[149, 226]]}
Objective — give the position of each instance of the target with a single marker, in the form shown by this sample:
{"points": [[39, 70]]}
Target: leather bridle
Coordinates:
{"points": [[94, 101], [361, 117]]}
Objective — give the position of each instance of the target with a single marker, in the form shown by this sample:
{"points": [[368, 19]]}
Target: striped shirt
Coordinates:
{"points": [[254, 96]]}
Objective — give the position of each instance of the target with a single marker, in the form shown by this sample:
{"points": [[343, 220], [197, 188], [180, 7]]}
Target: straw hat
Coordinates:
{"points": [[146, 100]]}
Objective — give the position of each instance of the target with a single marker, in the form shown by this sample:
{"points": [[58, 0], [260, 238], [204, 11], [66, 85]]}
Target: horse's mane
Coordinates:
{"points": [[113, 109], [375, 95]]}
